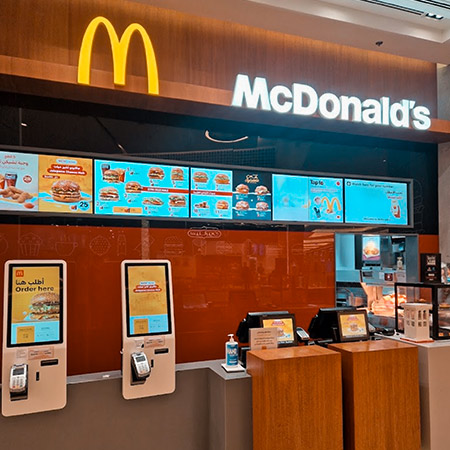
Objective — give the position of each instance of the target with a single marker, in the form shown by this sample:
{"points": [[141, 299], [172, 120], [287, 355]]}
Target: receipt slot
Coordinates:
{"points": [[34, 337], [148, 354]]}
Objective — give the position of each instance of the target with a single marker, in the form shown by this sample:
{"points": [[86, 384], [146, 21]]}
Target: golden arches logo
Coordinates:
{"points": [[119, 49], [330, 205]]}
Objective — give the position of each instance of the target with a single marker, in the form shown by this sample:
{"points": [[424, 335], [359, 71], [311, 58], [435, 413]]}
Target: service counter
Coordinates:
{"points": [[434, 382], [209, 410]]}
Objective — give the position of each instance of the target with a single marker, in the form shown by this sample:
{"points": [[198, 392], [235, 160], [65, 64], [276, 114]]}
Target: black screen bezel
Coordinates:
{"points": [[13, 266], [168, 297], [292, 343], [344, 338]]}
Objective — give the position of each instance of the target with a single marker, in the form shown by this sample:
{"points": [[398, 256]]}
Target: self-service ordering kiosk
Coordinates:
{"points": [[148, 329], [34, 367]]}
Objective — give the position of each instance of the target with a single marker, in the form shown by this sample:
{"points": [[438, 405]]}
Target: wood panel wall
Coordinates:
{"points": [[198, 58]]}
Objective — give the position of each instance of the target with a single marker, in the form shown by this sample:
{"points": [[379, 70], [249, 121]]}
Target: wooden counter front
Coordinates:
{"points": [[381, 395], [297, 398]]}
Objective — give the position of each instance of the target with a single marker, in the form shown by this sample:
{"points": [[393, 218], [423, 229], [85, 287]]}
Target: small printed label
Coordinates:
{"points": [[41, 353]]}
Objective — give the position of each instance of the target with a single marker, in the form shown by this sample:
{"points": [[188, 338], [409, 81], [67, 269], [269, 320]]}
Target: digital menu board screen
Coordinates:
{"points": [[325, 199], [376, 202], [371, 248], [19, 182], [307, 199], [131, 188], [211, 193], [35, 304], [65, 184], [147, 299], [252, 197], [290, 198]]}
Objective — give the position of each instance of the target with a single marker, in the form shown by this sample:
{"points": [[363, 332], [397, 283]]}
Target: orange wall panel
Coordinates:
{"points": [[216, 281]]}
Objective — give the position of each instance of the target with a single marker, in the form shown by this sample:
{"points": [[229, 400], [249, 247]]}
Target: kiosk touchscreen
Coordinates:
{"points": [[34, 365], [148, 355]]}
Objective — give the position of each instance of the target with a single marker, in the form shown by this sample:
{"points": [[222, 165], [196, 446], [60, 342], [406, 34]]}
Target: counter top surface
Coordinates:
{"points": [[290, 352], [435, 344], [369, 346], [214, 365]]}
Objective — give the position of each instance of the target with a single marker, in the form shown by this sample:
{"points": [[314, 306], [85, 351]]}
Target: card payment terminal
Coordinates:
{"points": [[18, 381], [141, 368]]}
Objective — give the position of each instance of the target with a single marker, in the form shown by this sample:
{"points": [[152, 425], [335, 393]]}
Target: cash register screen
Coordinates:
{"points": [[147, 289], [353, 326], [35, 304], [285, 325]]}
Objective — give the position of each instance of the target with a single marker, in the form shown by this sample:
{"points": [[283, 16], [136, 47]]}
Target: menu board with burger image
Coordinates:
{"points": [[35, 300], [141, 189], [65, 184], [18, 181], [211, 193], [252, 198]]}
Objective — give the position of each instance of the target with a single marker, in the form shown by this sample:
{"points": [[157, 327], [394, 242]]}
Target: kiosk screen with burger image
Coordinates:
{"points": [[35, 304], [147, 290]]}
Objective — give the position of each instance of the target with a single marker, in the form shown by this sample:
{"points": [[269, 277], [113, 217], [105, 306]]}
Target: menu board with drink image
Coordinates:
{"points": [[141, 189], [252, 197], [211, 193], [65, 184], [18, 181], [325, 199], [376, 202]]}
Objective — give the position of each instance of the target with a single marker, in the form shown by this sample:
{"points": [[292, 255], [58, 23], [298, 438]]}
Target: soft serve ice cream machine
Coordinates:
{"points": [[148, 354]]}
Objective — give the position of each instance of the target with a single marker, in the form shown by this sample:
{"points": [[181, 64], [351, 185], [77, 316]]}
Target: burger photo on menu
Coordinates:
{"points": [[109, 194], [65, 184], [222, 204], [156, 173], [222, 178], [262, 206], [111, 176], [177, 200], [242, 189], [66, 191], [44, 306], [261, 190], [242, 205], [156, 201], [200, 177], [177, 174], [133, 187]]}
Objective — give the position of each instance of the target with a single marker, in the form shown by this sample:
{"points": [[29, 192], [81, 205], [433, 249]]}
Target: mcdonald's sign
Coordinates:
{"points": [[119, 49]]}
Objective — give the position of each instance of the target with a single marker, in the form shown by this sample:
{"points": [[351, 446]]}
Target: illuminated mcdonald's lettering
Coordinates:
{"points": [[119, 48]]}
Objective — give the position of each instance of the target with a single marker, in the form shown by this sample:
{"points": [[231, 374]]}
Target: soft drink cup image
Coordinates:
{"points": [[11, 179]]}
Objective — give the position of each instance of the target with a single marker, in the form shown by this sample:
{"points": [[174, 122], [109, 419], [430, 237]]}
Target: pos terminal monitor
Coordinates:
{"points": [[148, 361], [324, 326]]}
